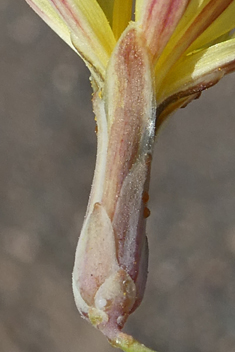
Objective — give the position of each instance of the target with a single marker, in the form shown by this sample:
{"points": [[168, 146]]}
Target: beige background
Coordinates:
{"points": [[47, 155]]}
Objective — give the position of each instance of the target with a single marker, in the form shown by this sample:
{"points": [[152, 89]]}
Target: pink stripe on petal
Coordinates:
{"points": [[159, 20], [207, 16], [47, 12], [90, 32], [69, 16], [203, 20]]}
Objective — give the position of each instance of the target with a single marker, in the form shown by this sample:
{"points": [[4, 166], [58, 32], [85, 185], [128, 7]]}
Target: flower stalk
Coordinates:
{"points": [[129, 344]]}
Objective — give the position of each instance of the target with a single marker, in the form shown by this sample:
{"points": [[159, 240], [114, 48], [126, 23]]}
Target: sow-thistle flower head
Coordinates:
{"points": [[142, 69], [191, 42]]}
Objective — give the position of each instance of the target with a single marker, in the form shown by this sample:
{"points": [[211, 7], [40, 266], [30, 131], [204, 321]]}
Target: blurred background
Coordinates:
{"points": [[47, 156]]}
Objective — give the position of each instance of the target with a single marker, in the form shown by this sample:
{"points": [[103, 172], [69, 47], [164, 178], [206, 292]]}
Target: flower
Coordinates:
{"points": [[192, 41], [141, 71]]}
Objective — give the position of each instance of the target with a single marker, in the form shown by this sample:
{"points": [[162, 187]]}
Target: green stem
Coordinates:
{"points": [[128, 344]]}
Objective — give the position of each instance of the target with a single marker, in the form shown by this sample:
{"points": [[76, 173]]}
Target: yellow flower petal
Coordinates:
{"points": [[86, 25], [193, 10], [118, 13], [90, 31], [138, 9], [205, 13], [107, 7], [223, 24], [122, 11], [47, 12], [196, 72], [158, 20]]}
